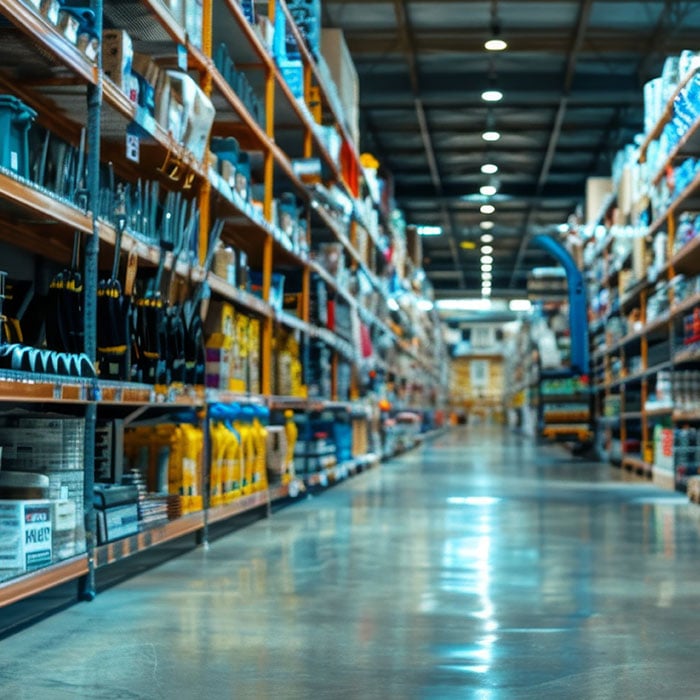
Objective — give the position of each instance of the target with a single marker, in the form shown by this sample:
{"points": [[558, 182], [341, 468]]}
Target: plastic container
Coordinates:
{"points": [[23, 486], [15, 120]]}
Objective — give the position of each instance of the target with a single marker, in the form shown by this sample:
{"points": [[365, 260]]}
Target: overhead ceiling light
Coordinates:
{"points": [[488, 190], [520, 305], [486, 238], [495, 45], [491, 135], [489, 168], [486, 267], [487, 209], [486, 259], [487, 225], [491, 95], [462, 305], [486, 293], [486, 276], [487, 249], [429, 230]]}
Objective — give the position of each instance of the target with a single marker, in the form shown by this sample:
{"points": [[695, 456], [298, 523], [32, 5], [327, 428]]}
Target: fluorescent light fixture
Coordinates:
{"points": [[425, 305], [486, 238], [429, 230], [487, 249], [462, 305], [489, 168], [486, 259], [485, 292], [486, 276], [491, 135], [487, 209], [495, 44], [487, 225], [520, 305], [488, 190], [392, 304], [486, 267], [491, 95]]}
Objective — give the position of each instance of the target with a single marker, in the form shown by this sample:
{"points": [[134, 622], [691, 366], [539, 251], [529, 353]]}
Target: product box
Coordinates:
{"points": [[342, 69], [68, 531], [276, 450], [219, 327], [42, 444], [117, 57], [597, 189], [25, 536], [218, 368]]}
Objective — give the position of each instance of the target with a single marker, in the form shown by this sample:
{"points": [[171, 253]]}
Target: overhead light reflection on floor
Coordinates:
{"points": [[473, 500]]}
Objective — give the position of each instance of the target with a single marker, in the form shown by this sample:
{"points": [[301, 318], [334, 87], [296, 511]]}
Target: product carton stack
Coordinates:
{"points": [[52, 446]]}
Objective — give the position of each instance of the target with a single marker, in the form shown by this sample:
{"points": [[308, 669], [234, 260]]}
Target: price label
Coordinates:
{"points": [[133, 148]]}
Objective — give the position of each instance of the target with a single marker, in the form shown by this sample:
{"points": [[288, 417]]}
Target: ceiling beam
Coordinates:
{"points": [[581, 25], [403, 22], [366, 43]]}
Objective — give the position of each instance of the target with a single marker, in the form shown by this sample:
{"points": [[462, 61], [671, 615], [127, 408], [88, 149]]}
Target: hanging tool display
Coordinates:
{"points": [[58, 166], [64, 320], [157, 352], [175, 326], [150, 314], [193, 312], [113, 308]]}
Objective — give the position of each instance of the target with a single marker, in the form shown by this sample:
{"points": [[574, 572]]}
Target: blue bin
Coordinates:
{"points": [[15, 120]]}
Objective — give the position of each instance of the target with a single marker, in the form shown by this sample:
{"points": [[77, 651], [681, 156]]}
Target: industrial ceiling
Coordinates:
{"points": [[572, 81]]}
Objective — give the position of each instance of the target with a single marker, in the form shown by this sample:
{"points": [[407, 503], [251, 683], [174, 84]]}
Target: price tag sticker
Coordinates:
{"points": [[133, 148]]}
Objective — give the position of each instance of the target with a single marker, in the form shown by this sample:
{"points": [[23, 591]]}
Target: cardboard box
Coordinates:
{"points": [[42, 444], [342, 69], [220, 328], [25, 535], [218, 368], [276, 450], [597, 190], [117, 57]]}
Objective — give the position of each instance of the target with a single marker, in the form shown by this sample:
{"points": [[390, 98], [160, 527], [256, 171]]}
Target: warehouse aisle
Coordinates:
{"points": [[475, 567]]}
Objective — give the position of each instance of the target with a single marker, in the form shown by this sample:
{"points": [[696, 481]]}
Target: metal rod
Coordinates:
{"points": [[92, 247]]}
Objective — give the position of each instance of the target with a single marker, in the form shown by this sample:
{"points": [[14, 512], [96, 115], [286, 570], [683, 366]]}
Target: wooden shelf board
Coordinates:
{"points": [[16, 589], [34, 26], [128, 546], [241, 505]]}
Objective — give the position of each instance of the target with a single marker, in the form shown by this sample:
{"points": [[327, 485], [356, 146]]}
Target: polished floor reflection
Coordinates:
{"points": [[478, 566]]}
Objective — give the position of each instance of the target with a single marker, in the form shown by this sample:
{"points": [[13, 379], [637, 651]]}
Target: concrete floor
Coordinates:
{"points": [[476, 567]]}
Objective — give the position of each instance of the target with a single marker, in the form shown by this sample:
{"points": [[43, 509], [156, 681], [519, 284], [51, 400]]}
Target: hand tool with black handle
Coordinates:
{"points": [[195, 352]]}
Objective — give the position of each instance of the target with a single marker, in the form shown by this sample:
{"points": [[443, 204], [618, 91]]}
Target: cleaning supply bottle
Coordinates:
{"points": [[244, 428], [218, 436], [291, 432], [233, 467], [261, 416]]}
